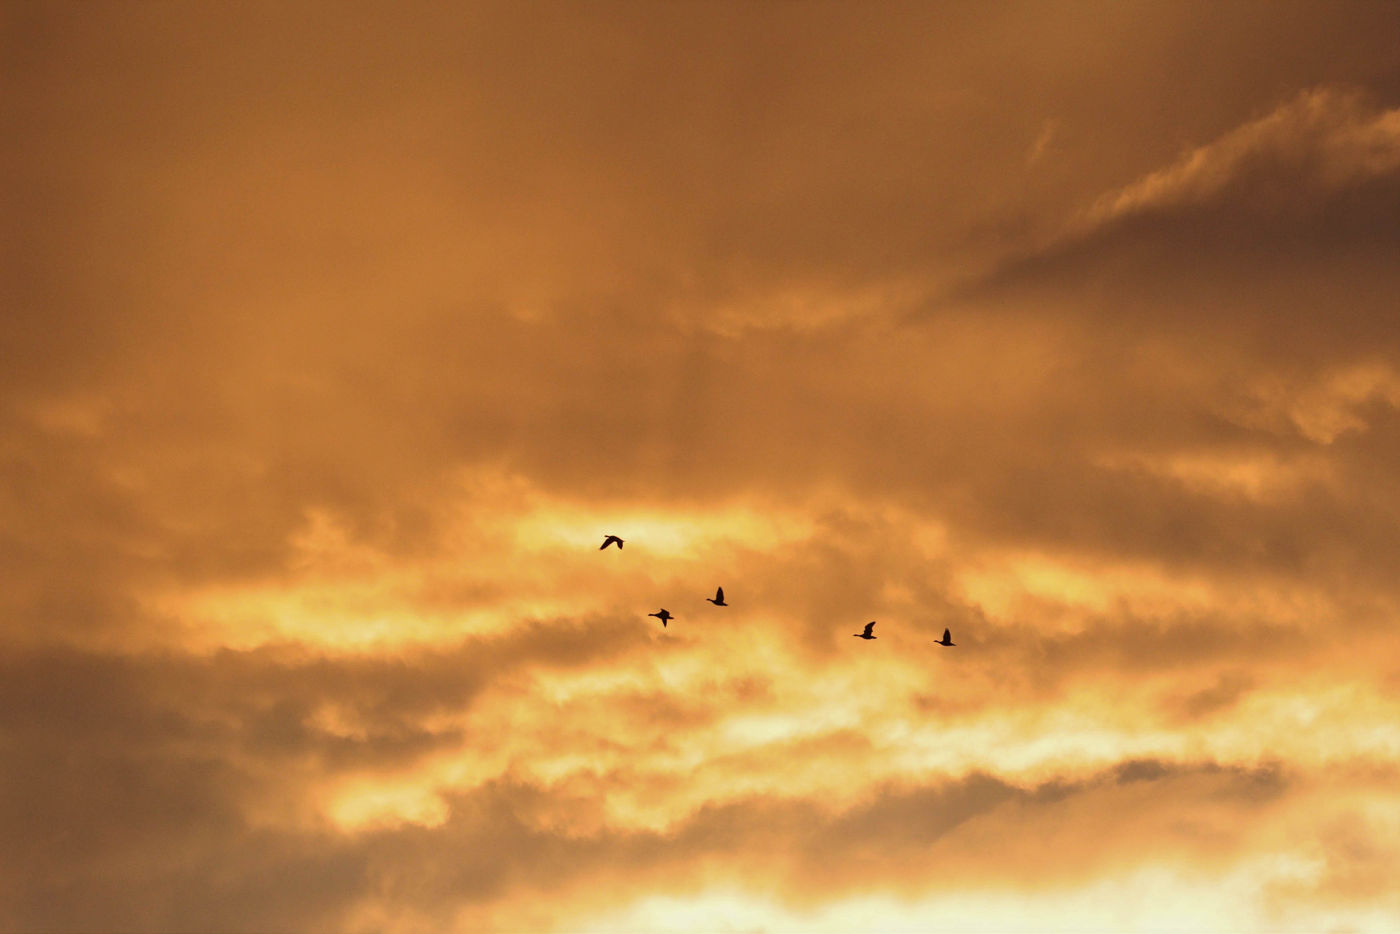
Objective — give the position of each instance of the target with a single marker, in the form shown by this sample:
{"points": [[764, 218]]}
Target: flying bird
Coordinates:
{"points": [[664, 615], [866, 634], [609, 540], [947, 639], [718, 598]]}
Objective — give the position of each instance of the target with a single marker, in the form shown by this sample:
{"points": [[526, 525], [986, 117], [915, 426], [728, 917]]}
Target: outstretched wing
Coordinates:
{"points": [[719, 594], [868, 627], [947, 636]]}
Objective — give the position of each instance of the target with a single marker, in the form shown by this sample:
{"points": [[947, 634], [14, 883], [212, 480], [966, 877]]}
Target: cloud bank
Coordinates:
{"points": [[338, 341]]}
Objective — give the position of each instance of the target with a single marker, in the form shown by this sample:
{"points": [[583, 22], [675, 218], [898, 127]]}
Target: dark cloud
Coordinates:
{"points": [[1271, 239], [218, 872], [1220, 696]]}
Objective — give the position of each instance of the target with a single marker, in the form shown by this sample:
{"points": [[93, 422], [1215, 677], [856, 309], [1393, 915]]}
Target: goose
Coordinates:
{"points": [[664, 615], [610, 540], [866, 633], [718, 598], [947, 639]]}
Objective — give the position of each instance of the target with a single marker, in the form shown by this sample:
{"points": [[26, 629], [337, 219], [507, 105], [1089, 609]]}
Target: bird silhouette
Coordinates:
{"points": [[866, 634], [609, 540], [947, 639], [718, 598], [664, 615]]}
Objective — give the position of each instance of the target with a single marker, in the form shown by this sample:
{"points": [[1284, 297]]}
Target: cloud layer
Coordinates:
{"points": [[338, 340]]}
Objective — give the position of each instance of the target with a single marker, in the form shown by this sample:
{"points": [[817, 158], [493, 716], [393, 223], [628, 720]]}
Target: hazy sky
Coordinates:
{"points": [[335, 337]]}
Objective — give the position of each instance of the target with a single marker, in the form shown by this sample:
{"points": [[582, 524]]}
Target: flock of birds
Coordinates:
{"points": [[665, 616]]}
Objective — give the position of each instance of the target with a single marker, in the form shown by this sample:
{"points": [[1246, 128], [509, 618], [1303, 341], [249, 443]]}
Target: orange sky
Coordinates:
{"points": [[336, 336]]}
